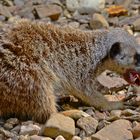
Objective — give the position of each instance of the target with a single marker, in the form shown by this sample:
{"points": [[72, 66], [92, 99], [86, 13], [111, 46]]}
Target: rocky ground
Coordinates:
{"points": [[82, 123]]}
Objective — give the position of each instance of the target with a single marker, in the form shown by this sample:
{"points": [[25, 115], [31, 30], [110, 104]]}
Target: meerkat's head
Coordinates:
{"points": [[123, 48], [120, 58], [124, 55], [128, 60]]}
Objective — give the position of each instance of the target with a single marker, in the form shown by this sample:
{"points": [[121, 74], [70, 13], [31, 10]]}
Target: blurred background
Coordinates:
{"points": [[83, 14]]}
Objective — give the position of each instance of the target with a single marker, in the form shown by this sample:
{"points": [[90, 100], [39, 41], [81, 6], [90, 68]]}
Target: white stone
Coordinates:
{"points": [[85, 6], [72, 5], [60, 138], [76, 138], [30, 129]]}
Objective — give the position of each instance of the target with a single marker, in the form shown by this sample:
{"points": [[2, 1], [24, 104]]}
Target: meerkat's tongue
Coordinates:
{"points": [[132, 77]]}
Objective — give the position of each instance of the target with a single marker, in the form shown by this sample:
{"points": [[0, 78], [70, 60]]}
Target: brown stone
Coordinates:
{"points": [[75, 114], [118, 130], [136, 130], [59, 124], [116, 11], [52, 11], [98, 21]]}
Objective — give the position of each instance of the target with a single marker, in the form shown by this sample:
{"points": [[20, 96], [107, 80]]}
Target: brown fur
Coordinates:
{"points": [[40, 61]]}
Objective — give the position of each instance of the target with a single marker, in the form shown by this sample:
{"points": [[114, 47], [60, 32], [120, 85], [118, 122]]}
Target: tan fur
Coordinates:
{"points": [[110, 64], [40, 61]]}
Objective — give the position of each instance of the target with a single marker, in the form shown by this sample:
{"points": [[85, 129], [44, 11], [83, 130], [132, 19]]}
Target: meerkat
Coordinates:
{"points": [[40, 61]]}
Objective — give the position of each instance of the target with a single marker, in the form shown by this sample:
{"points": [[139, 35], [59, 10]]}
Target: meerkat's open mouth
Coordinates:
{"points": [[132, 77]]}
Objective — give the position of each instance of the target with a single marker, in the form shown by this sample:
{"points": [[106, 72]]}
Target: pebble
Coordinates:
{"points": [[77, 131], [74, 24], [76, 138], [29, 129], [72, 5], [129, 112], [138, 38], [26, 12], [52, 11], [67, 14], [109, 2], [19, 2], [8, 126], [16, 129], [60, 138], [87, 138], [102, 124], [5, 11], [13, 121], [88, 124], [98, 22], [59, 124], [88, 6], [82, 134], [113, 118], [125, 3], [36, 137], [113, 21], [129, 29], [116, 113], [2, 18], [6, 133], [136, 25], [99, 115], [136, 130], [1, 137], [7, 2], [21, 137], [90, 112], [117, 130], [113, 97], [84, 26], [83, 19], [75, 114]]}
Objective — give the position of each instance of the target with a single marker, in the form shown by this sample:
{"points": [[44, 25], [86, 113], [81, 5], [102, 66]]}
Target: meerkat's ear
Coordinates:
{"points": [[137, 59], [115, 50]]}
